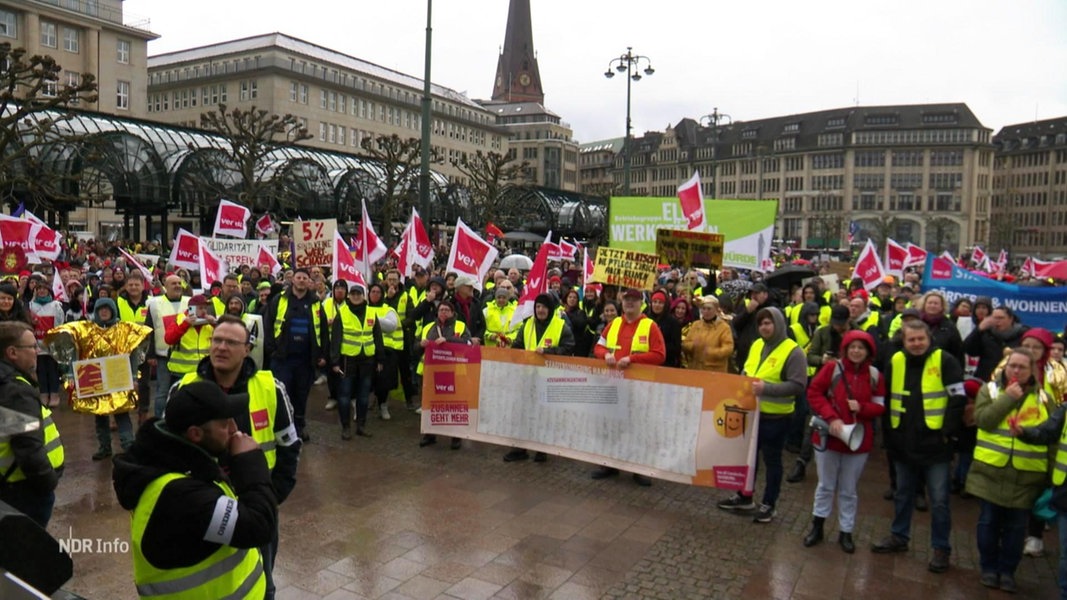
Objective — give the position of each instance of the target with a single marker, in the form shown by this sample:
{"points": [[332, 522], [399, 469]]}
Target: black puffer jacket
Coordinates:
{"points": [[912, 441]]}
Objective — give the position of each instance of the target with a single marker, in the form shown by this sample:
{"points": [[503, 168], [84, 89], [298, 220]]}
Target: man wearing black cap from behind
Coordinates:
{"points": [[196, 531], [744, 323]]}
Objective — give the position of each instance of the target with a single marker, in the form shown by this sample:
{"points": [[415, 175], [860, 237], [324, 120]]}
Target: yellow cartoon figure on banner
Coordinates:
{"points": [[730, 419]]}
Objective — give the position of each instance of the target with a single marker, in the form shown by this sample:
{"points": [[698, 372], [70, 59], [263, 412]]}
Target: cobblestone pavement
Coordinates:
{"points": [[383, 518]]}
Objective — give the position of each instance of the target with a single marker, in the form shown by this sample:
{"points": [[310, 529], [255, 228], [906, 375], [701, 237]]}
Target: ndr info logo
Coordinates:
{"points": [[73, 545]]}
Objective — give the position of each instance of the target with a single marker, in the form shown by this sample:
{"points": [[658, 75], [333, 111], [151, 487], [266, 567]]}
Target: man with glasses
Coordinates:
{"points": [[268, 415]]}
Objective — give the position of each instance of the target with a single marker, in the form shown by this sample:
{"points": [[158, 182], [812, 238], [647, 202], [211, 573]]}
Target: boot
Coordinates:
{"points": [[796, 475], [815, 535], [845, 540], [361, 427], [346, 432]]}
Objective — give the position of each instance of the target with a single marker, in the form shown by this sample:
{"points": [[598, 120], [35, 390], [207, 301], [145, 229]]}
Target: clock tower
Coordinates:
{"points": [[517, 76]]}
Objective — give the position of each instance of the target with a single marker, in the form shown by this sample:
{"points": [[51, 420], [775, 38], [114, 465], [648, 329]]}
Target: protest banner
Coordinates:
{"points": [[690, 248], [313, 241], [746, 225], [625, 268], [240, 252], [1035, 306], [704, 433], [106, 375]]}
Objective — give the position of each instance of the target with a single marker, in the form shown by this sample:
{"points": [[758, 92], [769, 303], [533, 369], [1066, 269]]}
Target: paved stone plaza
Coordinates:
{"points": [[382, 518]]}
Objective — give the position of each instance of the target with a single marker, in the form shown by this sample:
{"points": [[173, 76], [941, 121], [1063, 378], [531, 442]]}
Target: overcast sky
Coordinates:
{"points": [[752, 60]]}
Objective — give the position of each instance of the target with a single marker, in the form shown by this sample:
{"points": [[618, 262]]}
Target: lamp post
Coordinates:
{"points": [[630, 64], [424, 157], [713, 122]]}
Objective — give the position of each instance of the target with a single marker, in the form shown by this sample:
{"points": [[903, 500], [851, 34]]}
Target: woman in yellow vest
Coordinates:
{"points": [[1008, 474], [355, 340], [445, 328]]}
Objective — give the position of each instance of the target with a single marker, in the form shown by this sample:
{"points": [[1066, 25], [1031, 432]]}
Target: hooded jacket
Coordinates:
{"points": [[28, 448], [707, 345], [174, 536], [795, 371], [672, 333], [105, 303], [988, 345], [913, 442], [564, 346], [829, 399]]}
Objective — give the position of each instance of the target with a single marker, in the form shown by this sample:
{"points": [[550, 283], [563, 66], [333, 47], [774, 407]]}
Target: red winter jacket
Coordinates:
{"points": [[833, 404]]}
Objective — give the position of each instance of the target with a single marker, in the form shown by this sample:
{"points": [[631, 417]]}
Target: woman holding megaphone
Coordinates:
{"points": [[846, 395]]}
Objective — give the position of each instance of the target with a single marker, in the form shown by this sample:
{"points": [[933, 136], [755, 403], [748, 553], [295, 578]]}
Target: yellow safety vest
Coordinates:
{"points": [[162, 307], [227, 573], [262, 399], [53, 446], [131, 313], [193, 346], [640, 342], [804, 341], [498, 321], [357, 339], [279, 319], [997, 446], [393, 340], [218, 305], [873, 320], [1059, 470], [329, 310], [770, 370], [460, 328], [934, 395], [552, 335]]}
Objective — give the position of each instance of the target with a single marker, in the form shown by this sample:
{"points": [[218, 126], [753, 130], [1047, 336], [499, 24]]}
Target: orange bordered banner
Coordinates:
{"points": [[693, 427]]}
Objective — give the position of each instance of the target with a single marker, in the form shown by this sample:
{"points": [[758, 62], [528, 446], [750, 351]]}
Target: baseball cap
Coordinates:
{"points": [[198, 300], [632, 294], [197, 403], [910, 312], [463, 280], [839, 315]]}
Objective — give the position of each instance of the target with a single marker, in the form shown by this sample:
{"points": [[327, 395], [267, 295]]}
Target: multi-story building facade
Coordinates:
{"points": [[87, 37], [341, 100], [915, 173], [1029, 212], [595, 165]]}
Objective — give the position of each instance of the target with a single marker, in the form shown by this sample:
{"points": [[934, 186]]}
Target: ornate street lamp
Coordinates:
{"points": [[630, 64]]}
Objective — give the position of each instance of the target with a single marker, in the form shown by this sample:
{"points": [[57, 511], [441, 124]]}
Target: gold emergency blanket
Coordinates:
{"points": [[85, 339]]}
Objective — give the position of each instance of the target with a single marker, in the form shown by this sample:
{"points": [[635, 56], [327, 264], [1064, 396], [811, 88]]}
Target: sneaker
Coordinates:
{"points": [[737, 502], [321, 379], [331, 404], [939, 563], [765, 514], [1034, 547], [418, 410], [890, 544], [346, 433], [384, 412]]}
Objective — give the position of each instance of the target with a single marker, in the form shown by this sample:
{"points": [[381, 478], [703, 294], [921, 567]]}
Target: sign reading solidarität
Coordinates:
{"points": [[625, 268]]}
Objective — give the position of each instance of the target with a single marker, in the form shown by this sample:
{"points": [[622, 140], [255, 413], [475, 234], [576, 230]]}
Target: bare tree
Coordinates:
{"points": [[942, 230], [33, 137], [488, 174], [400, 159], [238, 165], [884, 225]]}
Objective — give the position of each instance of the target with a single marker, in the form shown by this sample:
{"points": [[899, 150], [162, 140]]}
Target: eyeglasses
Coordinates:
{"points": [[227, 342]]}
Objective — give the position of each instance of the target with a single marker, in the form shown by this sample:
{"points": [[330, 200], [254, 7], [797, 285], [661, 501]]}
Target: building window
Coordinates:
{"points": [[294, 89], [73, 81], [122, 99], [48, 34], [249, 89], [8, 24], [322, 99], [303, 94], [122, 51], [49, 88], [322, 132], [71, 39]]}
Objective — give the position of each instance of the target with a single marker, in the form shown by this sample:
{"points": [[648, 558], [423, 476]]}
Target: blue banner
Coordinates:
{"points": [[1035, 306]]}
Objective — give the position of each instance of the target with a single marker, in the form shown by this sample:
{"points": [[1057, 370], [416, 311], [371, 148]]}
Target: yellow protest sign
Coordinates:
{"points": [[98, 376], [625, 268], [688, 249]]}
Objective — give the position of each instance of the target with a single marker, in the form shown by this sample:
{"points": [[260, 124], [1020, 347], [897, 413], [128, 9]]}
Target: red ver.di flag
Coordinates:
{"points": [[344, 265], [46, 241], [470, 254], [264, 225], [692, 199], [895, 255], [369, 247], [869, 267], [536, 282], [20, 233], [212, 268], [186, 251], [266, 258], [231, 220], [916, 256]]}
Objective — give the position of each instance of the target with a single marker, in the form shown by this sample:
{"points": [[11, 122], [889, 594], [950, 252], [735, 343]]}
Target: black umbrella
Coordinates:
{"points": [[788, 276]]}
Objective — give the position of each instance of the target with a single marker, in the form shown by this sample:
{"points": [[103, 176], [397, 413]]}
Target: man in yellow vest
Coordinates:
{"points": [[630, 338], [392, 350], [926, 402], [355, 340], [31, 463], [329, 308], [163, 312], [195, 530], [544, 333], [294, 343], [266, 414], [780, 370], [133, 308], [231, 286]]}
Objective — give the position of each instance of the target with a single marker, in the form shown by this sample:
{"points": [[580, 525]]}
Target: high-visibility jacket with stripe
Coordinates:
{"points": [[163, 309], [394, 340], [262, 411], [640, 341], [131, 313], [551, 337], [998, 446], [934, 394], [227, 573], [53, 445], [425, 332], [770, 370], [194, 345], [357, 337], [1059, 469], [498, 322]]}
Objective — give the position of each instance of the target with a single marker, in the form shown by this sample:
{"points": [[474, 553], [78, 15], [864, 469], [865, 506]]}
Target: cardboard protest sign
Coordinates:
{"points": [[690, 248], [625, 268]]}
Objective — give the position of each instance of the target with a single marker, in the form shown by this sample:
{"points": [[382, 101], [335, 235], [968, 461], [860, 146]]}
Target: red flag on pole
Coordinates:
{"points": [[231, 219], [264, 225], [212, 267], [691, 198], [470, 254], [345, 266], [869, 267], [916, 256], [492, 233], [266, 258], [536, 283], [895, 256]]}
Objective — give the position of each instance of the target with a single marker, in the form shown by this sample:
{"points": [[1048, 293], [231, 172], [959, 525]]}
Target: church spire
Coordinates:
{"points": [[517, 76]]}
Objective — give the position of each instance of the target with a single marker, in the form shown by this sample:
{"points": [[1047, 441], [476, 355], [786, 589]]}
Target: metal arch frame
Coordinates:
{"points": [[191, 200], [283, 180], [142, 190]]}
